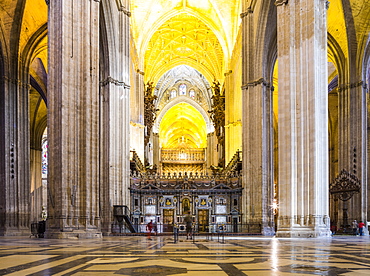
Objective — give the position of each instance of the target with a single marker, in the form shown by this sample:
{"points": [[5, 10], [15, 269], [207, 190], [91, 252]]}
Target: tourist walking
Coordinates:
{"points": [[149, 228], [361, 226]]}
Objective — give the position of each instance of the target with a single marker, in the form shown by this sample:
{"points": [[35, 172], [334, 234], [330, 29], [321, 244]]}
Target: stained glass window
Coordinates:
{"points": [[192, 93], [182, 89], [44, 158]]}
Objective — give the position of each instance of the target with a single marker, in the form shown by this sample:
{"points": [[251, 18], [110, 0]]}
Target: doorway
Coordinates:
{"points": [[235, 225], [168, 220], [203, 223]]}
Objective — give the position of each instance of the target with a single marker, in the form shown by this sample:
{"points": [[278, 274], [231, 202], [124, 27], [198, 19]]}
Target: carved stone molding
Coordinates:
{"points": [[281, 2], [114, 81], [140, 72], [255, 83], [244, 14], [18, 82], [125, 11], [347, 86], [228, 73]]}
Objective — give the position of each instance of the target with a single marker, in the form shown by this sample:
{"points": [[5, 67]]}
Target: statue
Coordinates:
{"points": [[149, 111]]}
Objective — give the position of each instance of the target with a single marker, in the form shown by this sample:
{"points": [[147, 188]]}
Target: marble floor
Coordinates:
{"points": [[136, 255]]}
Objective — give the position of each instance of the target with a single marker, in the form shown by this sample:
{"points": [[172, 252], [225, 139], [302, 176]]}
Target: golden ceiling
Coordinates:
{"points": [[197, 33], [184, 39], [183, 126]]}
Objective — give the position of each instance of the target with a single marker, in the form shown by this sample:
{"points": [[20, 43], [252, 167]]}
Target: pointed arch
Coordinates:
{"points": [[183, 99]]}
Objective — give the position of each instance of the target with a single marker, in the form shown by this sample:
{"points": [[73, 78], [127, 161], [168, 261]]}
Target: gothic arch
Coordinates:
{"points": [[351, 39], [366, 64], [267, 29], [336, 54], [108, 42], [34, 47], [202, 69], [183, 99]]}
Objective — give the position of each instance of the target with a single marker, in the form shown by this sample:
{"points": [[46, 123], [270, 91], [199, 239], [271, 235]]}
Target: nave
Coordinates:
{"points": [[233, 255]]}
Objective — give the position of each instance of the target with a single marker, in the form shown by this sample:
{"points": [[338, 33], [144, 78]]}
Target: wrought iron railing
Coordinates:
{"points": [[228, 228], [189, 181]]}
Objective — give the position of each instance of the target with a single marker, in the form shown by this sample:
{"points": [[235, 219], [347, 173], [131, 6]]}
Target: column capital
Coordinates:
{"points": [[281, 2], [244, 14], [228, 73], [17, 82], [140, 72], [347, 86], [125, 10], [255, 83], [109, 79]]}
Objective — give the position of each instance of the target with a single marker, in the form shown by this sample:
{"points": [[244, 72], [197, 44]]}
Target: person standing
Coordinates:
{"points": [[361, 226], [155, 228], [189, 225], [149, 228], [333, 229], [354, 227]]}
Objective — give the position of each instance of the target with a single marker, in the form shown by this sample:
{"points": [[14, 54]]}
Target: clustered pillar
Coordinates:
{"points": [[303, 119]]}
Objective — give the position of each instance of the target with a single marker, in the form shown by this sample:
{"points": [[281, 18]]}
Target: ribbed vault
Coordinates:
{"points": [[184, 39], [183, 126]]}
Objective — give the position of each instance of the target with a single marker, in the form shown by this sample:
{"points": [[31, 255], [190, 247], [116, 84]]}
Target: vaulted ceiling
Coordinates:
{"points": [[183, 126], [184, 39], [197, 33]]}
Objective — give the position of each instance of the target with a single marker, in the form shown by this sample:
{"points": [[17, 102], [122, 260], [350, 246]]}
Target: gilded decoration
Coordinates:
{"points": [[149, 111], [218, 112]]}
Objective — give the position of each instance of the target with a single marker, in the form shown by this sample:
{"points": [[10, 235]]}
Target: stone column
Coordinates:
{"points": [[73, 119], [15, 150], [115, 120], [137, 114], [257, 134], [303, 119], [352, 142], [119, 108]]}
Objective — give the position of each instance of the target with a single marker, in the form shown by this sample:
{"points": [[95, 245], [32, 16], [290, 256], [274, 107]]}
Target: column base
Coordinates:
{"points": [[303, 233], [13, 232], [268, 231], [76, 234]]}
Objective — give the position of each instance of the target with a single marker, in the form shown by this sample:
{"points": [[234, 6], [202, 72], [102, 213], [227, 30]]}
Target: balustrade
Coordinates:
{"points": [[183, 155]]}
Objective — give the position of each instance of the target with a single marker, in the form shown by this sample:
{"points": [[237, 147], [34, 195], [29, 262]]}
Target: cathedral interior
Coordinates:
{"points": [[251, 116]]}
